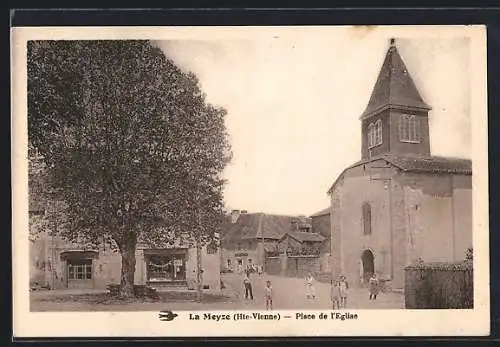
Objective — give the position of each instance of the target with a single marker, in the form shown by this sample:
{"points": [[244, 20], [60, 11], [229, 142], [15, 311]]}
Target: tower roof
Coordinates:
{"points": [[394, 86]]}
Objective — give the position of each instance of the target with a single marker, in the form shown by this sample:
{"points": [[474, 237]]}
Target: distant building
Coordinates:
{"points": [[398, 203], [320, 223], [249, 237]]}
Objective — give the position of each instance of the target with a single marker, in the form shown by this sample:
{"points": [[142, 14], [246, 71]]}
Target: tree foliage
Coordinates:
{"points": [[133, 150]]}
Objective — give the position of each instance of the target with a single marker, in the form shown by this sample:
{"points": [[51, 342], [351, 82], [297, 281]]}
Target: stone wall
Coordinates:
{"points": [[293, 266], [273, 265]]}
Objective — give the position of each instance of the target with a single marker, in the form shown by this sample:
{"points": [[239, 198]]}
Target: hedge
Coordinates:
{"points": [[439, 285]]}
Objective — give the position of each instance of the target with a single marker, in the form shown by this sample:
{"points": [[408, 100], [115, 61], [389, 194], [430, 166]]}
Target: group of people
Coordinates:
{"points": [[339, 288], [268, 291], [251, 268], [338, 292]]}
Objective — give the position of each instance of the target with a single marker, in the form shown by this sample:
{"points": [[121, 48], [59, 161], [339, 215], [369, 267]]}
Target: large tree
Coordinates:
{"points": [[133, 150]]}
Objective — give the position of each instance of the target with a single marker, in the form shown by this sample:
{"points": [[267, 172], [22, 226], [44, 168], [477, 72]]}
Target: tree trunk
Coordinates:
{"points": [[128, 268], [199, 275]]}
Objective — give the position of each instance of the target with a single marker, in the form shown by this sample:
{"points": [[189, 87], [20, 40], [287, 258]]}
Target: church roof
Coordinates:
{"points": [[421, 164], [431, 164], [394, 87], [258, 225], [323, 212]]}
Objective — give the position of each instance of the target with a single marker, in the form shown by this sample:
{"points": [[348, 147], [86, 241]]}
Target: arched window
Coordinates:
{"points": [[408, 129], [375, 133], [367, 218]]}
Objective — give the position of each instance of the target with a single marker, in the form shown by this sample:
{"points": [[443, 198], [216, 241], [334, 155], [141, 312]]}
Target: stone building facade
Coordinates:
{"points": [[320, 223], [57, 264], [398, 203]]}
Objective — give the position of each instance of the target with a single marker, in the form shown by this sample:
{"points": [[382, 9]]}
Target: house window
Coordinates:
{"points": [[408, 129], [80, 269], [240, 262], [367, 219], [229, 263], [375, 133]]}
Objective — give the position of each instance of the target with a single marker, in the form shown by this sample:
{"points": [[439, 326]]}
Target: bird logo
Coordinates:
{"points": [[167, 315]]}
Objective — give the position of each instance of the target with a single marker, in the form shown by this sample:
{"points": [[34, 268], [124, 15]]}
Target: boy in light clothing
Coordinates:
{"points": [[343, 287], [269, 295]]}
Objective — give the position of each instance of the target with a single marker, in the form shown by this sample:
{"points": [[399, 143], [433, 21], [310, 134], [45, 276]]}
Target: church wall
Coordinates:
{"points": [[356, 189], [439, 216], [336, 228], [462, 203]]}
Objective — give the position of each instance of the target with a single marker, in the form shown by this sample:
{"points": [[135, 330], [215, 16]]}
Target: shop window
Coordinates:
{"points": [[166, 268]]}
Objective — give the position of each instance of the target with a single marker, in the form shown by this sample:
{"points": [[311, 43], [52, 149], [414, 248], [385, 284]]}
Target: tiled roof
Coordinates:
{"points": [[323, 212], [427, 164], [255, 225], [431, 164], [305, 236], [394, 87]]}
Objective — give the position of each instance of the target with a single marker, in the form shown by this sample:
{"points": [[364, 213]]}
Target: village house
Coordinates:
{"points": [[285, 245], [57, 264], [250, 237], [398, 204]]}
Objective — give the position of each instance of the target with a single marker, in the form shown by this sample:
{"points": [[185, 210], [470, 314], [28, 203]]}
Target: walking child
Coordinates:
{"points": [[248, 286], [310, 291], [335, 294], [373, 286], [269, 295], [343, 288]]}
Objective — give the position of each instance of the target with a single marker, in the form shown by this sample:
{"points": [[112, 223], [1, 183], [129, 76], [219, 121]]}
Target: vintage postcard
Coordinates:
{"points": [[250, 181]]}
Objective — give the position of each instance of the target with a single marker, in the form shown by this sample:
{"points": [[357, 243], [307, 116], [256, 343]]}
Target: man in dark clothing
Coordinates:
{"points": [[248, 286]]}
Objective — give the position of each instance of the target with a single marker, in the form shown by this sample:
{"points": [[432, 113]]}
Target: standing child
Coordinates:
{"points": [[248, 286], [373, 286], [310, 292], [343, 288], [335, 294], [269, 295]]}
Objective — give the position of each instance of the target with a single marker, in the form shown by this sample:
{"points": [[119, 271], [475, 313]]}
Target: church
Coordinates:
{"points": [[398, 203]]}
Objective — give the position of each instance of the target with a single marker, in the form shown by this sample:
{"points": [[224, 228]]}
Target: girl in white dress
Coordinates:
{"points": [[310, 292]]}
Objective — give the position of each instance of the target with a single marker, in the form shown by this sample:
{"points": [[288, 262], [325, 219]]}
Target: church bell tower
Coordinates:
{"points": [[395, 120]]}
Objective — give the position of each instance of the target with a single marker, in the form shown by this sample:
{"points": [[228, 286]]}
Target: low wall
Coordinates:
{"points": [[439, 286], [273, 265], [293, 266]]}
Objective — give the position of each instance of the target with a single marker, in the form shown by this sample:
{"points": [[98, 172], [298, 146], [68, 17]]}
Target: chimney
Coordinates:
{"points": [[234, 216]]}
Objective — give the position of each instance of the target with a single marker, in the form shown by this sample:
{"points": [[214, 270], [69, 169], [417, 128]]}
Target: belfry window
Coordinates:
{"points": [[408, 129], [375, 134]]}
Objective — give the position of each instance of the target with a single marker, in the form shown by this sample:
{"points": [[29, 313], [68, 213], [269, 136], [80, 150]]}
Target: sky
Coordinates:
{"points": [[294, 105]]}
